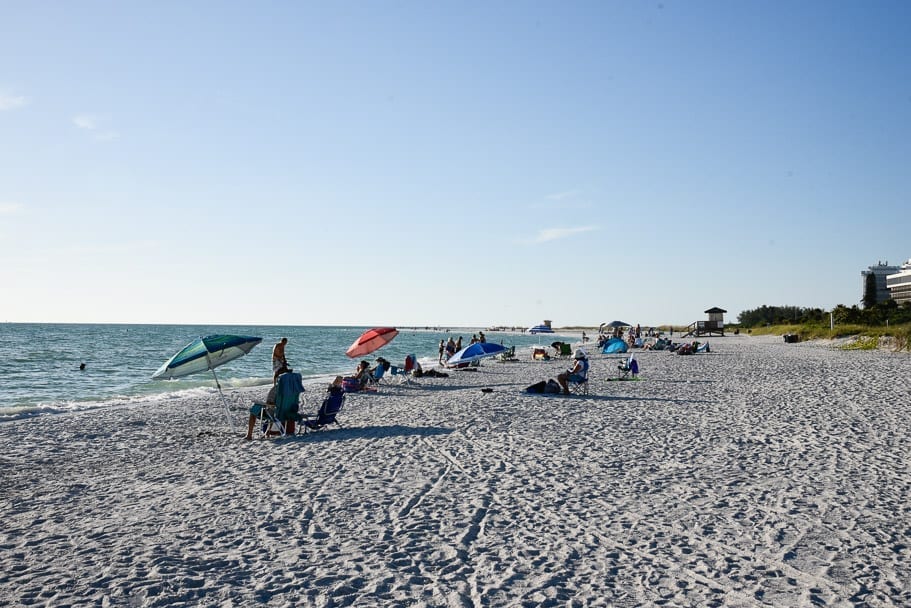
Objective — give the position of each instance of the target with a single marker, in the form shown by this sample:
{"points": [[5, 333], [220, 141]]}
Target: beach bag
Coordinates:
{"points": [[350, 385], [553, 387], [537, 387]]}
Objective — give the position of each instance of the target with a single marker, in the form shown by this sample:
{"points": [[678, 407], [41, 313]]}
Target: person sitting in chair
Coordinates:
{"points": [[381, 361], [362, 374], [578, 373], [256, 410], [329, 408]]}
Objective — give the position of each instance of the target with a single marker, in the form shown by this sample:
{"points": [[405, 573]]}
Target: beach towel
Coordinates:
{"points": [[287, 397]]}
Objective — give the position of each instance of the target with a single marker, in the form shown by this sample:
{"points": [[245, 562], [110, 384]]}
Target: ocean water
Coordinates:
{"points": [[39, 362]]}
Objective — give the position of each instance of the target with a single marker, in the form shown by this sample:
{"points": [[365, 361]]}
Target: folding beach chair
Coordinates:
{"points": [[266, 422], [327, 413], [377, 376], [577, 386], [628, 367], [405, 374], [508, 355], [278, 419], [577, 383]]}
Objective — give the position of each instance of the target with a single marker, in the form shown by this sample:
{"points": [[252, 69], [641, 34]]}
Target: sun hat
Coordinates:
{"points": [[579, 354]]}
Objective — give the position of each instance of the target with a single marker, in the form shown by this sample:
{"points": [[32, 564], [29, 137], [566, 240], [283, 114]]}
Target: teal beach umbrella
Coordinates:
{"points": [[205, 354]]}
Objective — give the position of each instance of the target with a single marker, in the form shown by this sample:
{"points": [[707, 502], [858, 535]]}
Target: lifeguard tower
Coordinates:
{"points": [[713, 327]]}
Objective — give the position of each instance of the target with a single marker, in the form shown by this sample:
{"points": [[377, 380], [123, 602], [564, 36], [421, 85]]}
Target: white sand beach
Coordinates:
{"points": [[759, 474]]}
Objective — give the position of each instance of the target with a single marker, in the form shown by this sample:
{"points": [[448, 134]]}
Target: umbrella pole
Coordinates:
{"points": [[223, 401]]}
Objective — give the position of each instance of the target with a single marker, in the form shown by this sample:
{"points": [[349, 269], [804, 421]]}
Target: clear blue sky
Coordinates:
{"points": [[446, 163]]}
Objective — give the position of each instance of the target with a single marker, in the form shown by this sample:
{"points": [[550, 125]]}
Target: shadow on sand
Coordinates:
{"points": [[345, 433]]}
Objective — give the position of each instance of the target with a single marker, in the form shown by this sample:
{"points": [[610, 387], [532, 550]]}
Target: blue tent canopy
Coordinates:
{"points": [[615, 345]]}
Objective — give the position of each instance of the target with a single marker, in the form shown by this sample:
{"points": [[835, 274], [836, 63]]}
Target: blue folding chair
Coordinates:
{"points": [[327, 413], [377, 376]]}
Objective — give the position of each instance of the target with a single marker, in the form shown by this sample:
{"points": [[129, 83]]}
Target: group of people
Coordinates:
{"points": [[635, 337], [450, 347], [287, 385], [364, 374], [283, 406]]}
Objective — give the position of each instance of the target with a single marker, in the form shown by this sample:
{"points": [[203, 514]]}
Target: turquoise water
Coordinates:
{"points": [[39, 363]]}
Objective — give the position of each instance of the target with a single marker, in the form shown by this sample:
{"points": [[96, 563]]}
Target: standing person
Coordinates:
{"points": [[459, 344], [450, 348], [638, 331], [278, 358], [442, 349], [481, 337]]}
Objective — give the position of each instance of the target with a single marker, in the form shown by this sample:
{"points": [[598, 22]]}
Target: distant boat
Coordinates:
{"points": [[540, 329]]}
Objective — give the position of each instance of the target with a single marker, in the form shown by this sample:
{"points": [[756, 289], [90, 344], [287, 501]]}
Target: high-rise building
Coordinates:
{"points": [[900, 284], [879, 272]]}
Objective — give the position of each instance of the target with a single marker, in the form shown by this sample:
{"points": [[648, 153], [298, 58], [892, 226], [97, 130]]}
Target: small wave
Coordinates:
{"points": [[246, 382], [25, 411], [11, 413]]}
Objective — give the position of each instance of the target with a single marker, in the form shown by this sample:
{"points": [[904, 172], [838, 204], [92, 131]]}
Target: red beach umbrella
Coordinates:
{"points": [[371, 340]]}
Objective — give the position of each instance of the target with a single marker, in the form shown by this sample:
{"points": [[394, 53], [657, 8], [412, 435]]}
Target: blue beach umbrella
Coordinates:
{"points": [[475, 352], [205, 354]]}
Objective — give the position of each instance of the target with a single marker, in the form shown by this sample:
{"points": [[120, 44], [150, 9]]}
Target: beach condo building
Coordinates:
{"points": [[879, 272], [899, 284]]}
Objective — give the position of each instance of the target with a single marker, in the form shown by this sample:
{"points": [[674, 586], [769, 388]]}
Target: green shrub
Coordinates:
{"points": [[868, 336], [862, 343]]}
